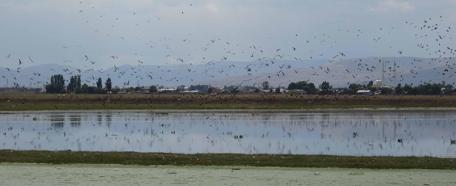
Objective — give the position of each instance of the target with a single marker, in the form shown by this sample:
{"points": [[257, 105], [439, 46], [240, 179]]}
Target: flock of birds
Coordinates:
{"points": [[433, 37]]}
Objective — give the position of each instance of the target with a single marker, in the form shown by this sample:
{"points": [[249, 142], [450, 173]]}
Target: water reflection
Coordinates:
{"points": [[100, 118], [75, 120], [57, 120], [367, 133]]}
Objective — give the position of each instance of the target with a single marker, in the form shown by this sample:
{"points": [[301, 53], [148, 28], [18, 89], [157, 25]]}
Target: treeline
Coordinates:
{"points": [[57, 85], [424, 89], [407, 89]]}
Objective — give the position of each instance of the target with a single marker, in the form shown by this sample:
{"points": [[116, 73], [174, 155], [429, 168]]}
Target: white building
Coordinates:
{"points": [[378, 84], [364, 92]]}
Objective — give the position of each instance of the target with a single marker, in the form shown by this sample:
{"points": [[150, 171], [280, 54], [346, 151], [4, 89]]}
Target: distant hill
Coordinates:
{"points": [[338, 72]]}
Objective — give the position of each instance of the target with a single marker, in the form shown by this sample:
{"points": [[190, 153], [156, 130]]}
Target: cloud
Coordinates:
{"points": [[212, 7], [393, 5]]}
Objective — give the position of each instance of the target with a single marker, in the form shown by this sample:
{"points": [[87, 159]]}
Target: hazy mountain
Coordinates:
{"points": [[338, 72]]}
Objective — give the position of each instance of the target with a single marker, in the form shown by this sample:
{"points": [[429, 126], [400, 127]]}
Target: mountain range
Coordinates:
{"points": [[338, 72]]}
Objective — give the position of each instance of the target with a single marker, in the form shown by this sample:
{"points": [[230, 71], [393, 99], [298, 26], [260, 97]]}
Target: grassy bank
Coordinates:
{"points": [[131, 158], [16, 102]]}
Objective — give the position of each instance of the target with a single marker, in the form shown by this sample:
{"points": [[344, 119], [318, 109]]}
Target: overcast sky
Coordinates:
{"points": [[104, 33]]}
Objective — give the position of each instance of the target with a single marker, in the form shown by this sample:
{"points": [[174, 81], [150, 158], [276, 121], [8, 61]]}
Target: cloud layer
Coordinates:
{"points": [[198, 31], [393, 5]]}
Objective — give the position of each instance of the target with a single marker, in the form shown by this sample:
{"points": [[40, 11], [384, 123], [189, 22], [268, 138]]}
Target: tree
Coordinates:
{"points": [[325, 87], [75, 84], [265, 85], [57, 84], [213, 90], [309, 88], [386, 90], [277, 90], [398, 89], [231, 89], [180, 88], [200, 88], [70, 87], [355, 87], [85, 88], [99, 84], [408, 89], [370, 85], [433, 89], [78, 83], [108, 84], [153, 89]]}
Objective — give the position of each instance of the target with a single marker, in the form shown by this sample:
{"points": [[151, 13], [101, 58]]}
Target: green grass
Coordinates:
{"points": [[131, 158]]}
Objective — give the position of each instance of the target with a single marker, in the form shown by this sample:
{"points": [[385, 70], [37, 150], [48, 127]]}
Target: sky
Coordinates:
{"points": [[105, 33]]}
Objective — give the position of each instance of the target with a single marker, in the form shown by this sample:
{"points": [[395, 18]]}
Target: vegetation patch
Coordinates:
{"points": [[133, 158]]}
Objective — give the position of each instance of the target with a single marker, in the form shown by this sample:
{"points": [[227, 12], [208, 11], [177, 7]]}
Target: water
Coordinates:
{"points": [[358, 133]]}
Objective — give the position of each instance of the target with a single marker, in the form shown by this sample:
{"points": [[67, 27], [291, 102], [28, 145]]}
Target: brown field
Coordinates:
{"points": [[12, 102]]}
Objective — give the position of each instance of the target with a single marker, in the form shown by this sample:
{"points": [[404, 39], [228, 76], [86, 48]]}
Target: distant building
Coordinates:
{"points": [[248, 89], [166, 90], [191, 91], [365, 92], [378, 84], [199, 88], [296, 91], [142, 91]]}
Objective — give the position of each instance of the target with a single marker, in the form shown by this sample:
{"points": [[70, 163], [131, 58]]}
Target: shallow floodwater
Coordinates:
{"points": [[359, 133]]}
